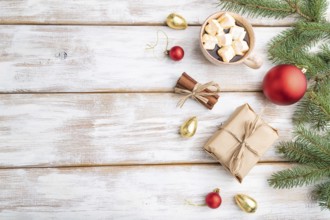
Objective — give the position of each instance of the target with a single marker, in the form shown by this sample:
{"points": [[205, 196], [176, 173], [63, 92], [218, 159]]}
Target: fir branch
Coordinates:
{"points": [[297, 152], [296, 5], [315, 107], [316, 9], [324, 53], [322, 194], [276, 9], [310, 61], [302, 37], [318, 82], [316, 144], [283, 37], [319, 30], [308, 34], [293, 47], [255, 8], [298, 176]]}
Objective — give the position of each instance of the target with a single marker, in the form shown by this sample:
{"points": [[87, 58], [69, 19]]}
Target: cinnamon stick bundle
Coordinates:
{"points": [[188, 83]]}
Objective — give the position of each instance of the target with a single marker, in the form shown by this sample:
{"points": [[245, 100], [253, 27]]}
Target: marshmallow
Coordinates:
{"points": [[224, 40], [240, 47], [213, 27], [238, 32], [209, 41], [226, 21], [226, 53], [220, 32]]}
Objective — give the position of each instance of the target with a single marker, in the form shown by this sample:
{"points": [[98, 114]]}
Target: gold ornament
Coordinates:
{"points": [[176, 21], [246, 203], [189, 127]]}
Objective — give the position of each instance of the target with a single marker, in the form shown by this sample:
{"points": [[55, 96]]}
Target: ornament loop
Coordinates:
{"points": [[193, 204], [153, 46], [302, 68]]}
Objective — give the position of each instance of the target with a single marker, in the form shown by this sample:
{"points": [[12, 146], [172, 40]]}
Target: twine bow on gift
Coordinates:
{"points": [[198, 92], [237, 157]]}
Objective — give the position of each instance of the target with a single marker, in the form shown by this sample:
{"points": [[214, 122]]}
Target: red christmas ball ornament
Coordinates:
{"points": [[176, 53], [213, 199], [284, 84]]}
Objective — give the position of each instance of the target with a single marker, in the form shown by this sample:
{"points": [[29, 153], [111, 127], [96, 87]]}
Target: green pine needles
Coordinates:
{"points": [[306, 45], [306, 10]]}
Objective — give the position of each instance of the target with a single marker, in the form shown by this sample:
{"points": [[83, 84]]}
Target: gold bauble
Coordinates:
{"points": [[189, 127], [246, 203], [176, 21]]}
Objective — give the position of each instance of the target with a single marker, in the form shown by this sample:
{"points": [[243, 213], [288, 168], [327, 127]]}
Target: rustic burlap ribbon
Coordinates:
{"points": [[237, 156], [198, 92]]}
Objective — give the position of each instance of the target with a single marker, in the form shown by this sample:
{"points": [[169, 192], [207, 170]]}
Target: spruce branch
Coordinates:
{"points": [[322, 194], [297, 152], [320, 30], [316, 143], [277, 9], [255, 8], [298, 176], [296, 5], [325, 53], [318, 82], [308, 60], [316, 9], [315, 106], [303, 36], [293, 46]]}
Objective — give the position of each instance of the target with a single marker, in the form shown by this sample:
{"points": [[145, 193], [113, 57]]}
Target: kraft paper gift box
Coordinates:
{"points": [[241, 141]]}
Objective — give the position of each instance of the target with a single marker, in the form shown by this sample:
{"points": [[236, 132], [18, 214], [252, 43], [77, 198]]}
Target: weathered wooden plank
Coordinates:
{"points": [[111, 12], [89, 59], [145, 192], [78, 129]]}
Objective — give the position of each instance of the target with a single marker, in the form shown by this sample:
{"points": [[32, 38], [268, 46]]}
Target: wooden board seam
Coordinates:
{"points": [[120, 24], [275, 163], [116, 92]]}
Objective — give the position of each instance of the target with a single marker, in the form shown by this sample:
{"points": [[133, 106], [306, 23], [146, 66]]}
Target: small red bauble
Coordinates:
{"points": [[213, 199], [284, 84], [176, 53]]}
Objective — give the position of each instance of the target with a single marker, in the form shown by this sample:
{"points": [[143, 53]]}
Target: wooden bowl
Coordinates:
{"points": [[247, 59]]}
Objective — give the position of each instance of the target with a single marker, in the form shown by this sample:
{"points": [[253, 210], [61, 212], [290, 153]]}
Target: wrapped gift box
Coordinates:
{"points": [[241, 141]]}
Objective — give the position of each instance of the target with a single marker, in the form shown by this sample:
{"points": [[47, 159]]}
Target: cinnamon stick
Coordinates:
{"points": [[187, 82]]}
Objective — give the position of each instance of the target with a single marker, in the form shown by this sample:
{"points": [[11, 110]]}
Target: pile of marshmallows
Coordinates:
{"points": [[231, 43]]}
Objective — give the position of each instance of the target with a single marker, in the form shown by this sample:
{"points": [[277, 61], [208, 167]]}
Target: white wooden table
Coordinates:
{"points": [[89, 124]]}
